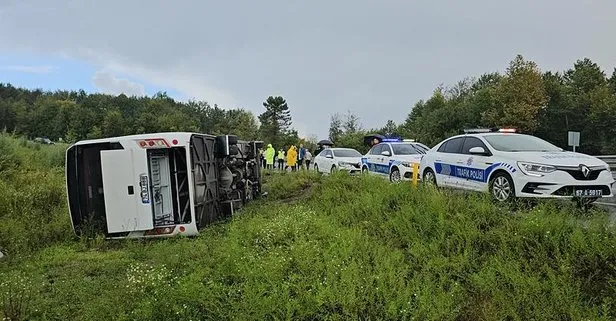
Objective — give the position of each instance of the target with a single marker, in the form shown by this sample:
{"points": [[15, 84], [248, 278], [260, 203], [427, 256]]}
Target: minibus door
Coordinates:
{"points": [[126, 190]]}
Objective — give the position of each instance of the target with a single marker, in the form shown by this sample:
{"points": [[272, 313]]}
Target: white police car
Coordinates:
{"points": [[509, 165], [393, 158]]}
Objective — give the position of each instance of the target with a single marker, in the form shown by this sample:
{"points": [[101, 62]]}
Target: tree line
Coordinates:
{"points": [[76, 115], [545, 104], [542, 103]]}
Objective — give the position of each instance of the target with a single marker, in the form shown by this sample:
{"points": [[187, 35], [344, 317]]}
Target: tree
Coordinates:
{"points": [[581, 82], [519, 96], [612, 82], [347, 131], [335, 127], [553, 119], [602, 121], [390, 128], [585, 76], [240, 122], [276, 120], [351, 123]]}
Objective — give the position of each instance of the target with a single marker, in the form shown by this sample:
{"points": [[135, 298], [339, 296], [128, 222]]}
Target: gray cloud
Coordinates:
{"points": [[108, 83], [376, 58]]}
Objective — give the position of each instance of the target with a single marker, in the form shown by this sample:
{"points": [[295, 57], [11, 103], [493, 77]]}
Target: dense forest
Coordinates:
{"points": [[75, 115], [542, 103]]}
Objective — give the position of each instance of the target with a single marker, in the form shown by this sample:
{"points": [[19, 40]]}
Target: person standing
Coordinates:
{"points": [[318, 150], [281, 159], [301, 155], [308, 158], [262, 157], [292, 157], [270, 153]]}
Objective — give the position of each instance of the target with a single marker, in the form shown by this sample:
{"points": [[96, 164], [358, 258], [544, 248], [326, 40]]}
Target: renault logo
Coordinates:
{"points": [[585, 170]]}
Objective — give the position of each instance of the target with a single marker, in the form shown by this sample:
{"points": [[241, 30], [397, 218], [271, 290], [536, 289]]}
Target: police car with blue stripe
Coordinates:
{"points": [[393, 158], [509, 164]]}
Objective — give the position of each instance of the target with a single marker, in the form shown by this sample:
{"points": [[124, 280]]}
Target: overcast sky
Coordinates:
{"points": [[376, 58]]}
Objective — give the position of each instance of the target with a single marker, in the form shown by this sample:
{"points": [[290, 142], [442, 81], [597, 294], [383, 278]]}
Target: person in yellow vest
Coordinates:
{"points": [[270, 153], [281, 159], [292, 157]]}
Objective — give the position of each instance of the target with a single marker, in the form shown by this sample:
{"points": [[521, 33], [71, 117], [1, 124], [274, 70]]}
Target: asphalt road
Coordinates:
{"points": [[609, 203]]}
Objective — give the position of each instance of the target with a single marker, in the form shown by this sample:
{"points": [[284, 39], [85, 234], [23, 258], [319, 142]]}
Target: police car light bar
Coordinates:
{"points": [[491, 130], [477, 130], [508, 130], [391, 140]]}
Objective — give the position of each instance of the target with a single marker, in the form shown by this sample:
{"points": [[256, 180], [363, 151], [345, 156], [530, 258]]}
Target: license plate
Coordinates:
{"points": [[588, 193]]}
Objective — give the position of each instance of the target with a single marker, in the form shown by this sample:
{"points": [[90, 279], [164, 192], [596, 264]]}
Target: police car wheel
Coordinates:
{"points": [[333, 169], [429, 177], [501, 187], [394, 176]]}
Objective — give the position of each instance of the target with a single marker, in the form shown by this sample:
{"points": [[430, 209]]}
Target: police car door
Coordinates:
{"points": [[373, 158], [476, 164], [448, 159], [383, 161]]}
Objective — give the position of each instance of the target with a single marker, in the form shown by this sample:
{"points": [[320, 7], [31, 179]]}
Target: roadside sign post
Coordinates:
{"points": [[574, 139]]}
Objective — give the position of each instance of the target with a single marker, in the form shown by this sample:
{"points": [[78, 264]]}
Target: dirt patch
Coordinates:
{"points": [[302, 194]]}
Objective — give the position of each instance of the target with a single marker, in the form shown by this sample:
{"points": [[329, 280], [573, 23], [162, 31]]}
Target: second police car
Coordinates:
{"points": [[509, 165], [393, 158]]}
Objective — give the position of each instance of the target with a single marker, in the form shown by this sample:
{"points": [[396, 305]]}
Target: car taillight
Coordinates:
{"points": [[154, 143], [161, 230]]}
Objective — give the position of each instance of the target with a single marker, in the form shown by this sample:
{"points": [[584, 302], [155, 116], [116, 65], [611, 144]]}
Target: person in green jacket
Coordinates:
{"points": [[270, 153]]}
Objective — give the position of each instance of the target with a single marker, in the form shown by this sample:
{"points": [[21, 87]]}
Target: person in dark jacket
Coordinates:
{"points": [[318, 150]]}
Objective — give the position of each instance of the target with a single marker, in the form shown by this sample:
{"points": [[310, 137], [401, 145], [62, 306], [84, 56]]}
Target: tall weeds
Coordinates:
{"points": [[318, 247]]}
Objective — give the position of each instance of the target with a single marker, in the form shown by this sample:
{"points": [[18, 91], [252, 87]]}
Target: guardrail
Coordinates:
{"points": [[610, 160]]}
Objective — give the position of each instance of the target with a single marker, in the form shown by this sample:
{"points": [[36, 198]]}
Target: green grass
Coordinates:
{"points": [[318, 247]]}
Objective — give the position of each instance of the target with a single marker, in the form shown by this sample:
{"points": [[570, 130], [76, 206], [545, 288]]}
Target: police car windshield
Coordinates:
{"points": [[405, 149], [346, 153], [520, 143]]}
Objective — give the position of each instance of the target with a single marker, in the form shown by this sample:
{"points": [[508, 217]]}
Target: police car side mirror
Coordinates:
{"points": [[329, 156], [385, 153], [477, 151]]}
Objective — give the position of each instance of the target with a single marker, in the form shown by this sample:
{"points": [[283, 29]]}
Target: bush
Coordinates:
{"points": [[33, 210]]}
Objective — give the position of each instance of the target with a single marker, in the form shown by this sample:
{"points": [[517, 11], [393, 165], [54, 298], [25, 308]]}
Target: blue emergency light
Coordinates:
{"points": [[391, 140]]}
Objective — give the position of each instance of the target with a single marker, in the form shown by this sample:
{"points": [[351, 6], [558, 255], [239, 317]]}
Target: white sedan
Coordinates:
{"points": [[510, 165], [333, 159]]}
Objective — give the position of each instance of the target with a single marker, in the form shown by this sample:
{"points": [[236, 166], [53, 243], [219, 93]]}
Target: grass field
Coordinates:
{"points": [[331, 247]]}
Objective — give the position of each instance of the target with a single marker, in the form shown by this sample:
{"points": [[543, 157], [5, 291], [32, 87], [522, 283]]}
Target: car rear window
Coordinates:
{"points": [[346, 153], [405, 149]]}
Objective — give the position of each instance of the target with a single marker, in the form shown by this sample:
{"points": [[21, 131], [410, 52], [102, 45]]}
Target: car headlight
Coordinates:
{"points": [[607, 166], [346, 164], [533, 169], [407, 164]]}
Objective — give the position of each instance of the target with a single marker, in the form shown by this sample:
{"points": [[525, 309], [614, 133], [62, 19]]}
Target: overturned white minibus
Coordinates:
{"points": [[156, 185]]}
